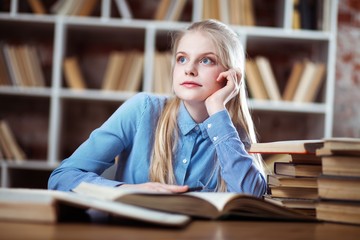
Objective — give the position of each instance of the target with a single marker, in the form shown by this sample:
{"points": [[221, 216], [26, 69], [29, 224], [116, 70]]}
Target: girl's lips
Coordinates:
{"points": [[190, 84]]}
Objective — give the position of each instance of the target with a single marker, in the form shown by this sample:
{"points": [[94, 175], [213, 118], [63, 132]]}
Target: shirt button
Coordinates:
{"points": [[215, 138], [184, 161], [209, 125], [197, 128]]}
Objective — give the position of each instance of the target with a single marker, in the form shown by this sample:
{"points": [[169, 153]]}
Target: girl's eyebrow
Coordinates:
{"points": [[202, 54]]}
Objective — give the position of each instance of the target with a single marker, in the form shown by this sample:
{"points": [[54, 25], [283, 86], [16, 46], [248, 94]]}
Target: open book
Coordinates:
{"points": [[206, 205], [47, 206]]}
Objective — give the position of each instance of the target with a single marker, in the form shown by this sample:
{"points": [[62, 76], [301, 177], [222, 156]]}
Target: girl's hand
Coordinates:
{"points": [[216, 102], [156, 187]]}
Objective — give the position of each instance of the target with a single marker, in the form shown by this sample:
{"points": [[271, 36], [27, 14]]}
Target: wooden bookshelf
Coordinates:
{"points": [[50, 121]]}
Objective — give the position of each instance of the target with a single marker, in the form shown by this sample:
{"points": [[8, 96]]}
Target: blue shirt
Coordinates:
{"points": [[202, 149]]}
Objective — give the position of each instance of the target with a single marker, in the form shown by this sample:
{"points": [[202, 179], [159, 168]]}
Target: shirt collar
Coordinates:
{"points": [[185, 121]]}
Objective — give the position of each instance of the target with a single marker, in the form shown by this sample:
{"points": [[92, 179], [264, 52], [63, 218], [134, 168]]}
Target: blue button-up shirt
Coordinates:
{"points": [[203, 151]]}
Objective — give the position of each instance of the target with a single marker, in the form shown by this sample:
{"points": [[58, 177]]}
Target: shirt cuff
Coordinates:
{"points": [[220, 127]]}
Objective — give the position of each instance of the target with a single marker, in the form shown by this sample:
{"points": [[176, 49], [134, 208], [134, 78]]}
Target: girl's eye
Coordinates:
{"points": [[207, 61], [181, 59]]}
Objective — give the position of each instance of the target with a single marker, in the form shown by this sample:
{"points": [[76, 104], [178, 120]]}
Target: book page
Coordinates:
{"points": [[218, 199]]}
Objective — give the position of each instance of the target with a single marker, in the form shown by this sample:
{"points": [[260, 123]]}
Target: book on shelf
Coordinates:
{"points": [[162, 9], [73, 74], [49, 206], [305, 81], [305, 12], [123, 71], [169, 10], [37, 6], [113, 70], [86, 7], [241, 12], [175, 10], [268, 77], [9, 144], [130, 74], [311, 14], [296, 19], [162, 72], [205, 205], [24, 65], [254, 81], [235, 12], [124, 9], [211, 9], [297, 169], [293, 81], [4, 71], [74, 8], [310, 82], [315, 14], [133, 79]]}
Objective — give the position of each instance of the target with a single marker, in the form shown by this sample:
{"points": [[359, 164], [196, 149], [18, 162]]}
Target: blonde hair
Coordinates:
{"points": [[232, 56]]}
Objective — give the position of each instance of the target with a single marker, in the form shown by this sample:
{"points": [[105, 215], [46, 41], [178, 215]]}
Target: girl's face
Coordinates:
{"points": [[196, 69]]}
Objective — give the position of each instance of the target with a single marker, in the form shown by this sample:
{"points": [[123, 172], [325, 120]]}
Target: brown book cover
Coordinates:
{"points": [[268, 77], [37, 6], [254, 81], [305, 82], [10, 141], [162, 9], [297, 169], [293, 81], [73, 75], [289, 181], [290, 146], [316, 83], [340, 165], [294, 192], [305, 158], [339, 188], [113, 70], [338, 211]]}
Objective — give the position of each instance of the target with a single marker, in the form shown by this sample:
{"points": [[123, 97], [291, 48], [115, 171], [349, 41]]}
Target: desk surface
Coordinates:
{"points": [[195, 230]]}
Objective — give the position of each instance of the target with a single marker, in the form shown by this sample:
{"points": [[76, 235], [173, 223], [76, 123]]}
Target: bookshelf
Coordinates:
{"points": [[50, 121]]}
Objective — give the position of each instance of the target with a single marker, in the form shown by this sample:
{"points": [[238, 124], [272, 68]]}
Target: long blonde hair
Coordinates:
{"points": [[232, 56]]}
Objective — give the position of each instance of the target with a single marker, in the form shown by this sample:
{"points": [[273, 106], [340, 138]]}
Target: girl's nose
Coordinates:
{"points": [[190, 69]]}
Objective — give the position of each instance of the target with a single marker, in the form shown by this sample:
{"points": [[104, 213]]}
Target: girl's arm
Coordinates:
{"points": [[98, 152], [237, 166]]}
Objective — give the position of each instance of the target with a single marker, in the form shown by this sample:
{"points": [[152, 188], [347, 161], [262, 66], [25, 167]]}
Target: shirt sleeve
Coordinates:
{"points": [[237, 167], [98, 152]]}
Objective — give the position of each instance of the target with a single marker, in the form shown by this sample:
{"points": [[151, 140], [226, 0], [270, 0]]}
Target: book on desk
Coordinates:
{"points": [[168, 209], [336, 196]]}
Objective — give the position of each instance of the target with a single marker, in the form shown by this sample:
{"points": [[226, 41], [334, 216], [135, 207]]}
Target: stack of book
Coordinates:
{"points": [[293, 183], [339, 184]]}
